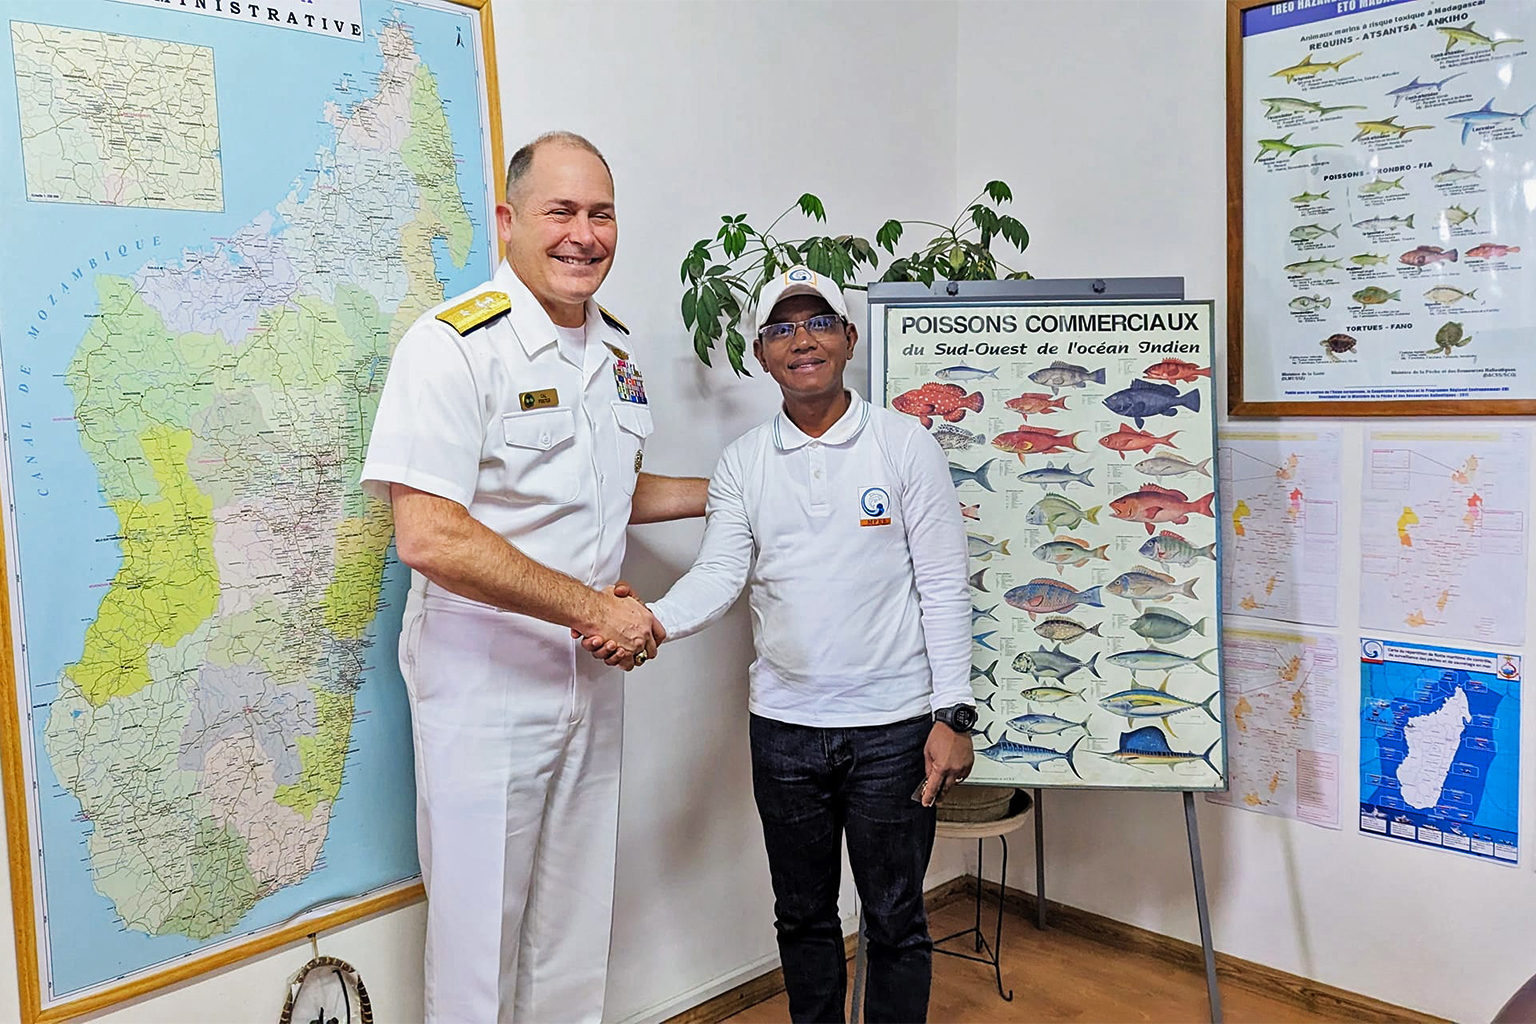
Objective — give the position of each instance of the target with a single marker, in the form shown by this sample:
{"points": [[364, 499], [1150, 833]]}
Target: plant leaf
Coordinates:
{"points": [[1020, 275], [690, 304], [999, 191], [701, 345], [888, 235], [956, 256], [736, 350], [811, 207]]}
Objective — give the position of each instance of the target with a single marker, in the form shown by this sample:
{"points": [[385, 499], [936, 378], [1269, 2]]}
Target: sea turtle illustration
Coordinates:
{"points": [[1337, 344], [1449, 337]]}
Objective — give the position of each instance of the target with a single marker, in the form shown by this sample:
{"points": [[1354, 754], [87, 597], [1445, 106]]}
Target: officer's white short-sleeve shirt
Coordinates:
{"points": [[541, 450]]}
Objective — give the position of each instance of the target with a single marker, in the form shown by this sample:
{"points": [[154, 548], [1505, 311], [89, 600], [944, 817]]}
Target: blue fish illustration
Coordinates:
{"points": [[1485, 114], [1145, 399], [959, 475], [977, 614], [1060, 476], [1417, 86], [1011, 752], [1148, 746], [981, 638], [1142, 702]]}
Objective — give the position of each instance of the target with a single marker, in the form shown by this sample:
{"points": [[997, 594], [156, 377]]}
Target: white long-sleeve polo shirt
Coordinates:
{"points": [[854, 549]]}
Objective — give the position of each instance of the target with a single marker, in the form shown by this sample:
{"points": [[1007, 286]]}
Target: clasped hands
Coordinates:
{"points": [[627, 634]]}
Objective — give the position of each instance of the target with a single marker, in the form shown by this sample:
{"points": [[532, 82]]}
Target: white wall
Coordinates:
{"points": [[702, 110], [1108, 119]]}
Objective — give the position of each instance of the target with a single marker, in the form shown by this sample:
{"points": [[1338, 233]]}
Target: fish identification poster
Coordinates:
{"points": [[1387, 218], [1080, 439]]}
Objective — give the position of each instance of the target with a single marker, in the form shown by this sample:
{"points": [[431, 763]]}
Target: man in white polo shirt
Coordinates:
{"points": [[842, 518]]}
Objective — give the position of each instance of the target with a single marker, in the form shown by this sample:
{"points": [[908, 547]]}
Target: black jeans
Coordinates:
{"points": [[812, 785]]}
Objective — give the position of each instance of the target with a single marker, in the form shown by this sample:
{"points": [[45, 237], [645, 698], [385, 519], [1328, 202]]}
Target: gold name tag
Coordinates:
{"points": [[539, 399]]}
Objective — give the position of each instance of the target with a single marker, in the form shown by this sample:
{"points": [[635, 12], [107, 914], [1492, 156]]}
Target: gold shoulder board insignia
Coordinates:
{"points": [[613, 321], [475, 310]]}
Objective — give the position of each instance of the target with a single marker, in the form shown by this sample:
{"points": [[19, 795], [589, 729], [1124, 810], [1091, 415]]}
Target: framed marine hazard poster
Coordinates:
{"points": [[1379, 213], [1080, 438], [230, 215]]}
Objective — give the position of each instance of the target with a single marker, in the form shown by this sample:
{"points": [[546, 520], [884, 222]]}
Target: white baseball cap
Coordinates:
{"points": [[798, 280]]}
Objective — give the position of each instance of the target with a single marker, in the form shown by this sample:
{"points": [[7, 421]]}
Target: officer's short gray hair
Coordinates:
{"points": [[522, 160]]}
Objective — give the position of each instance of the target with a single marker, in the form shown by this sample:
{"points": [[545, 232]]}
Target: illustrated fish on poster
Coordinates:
{"points": [[1145, 399], [1036, 403], [1042, 597], [1127, 439], [1148, 747], [1065, 375], [1171, 548], [1177, 370], [1166, 625], [1008, 751], [1045, 725], [946, 401], [1035, 441], [1070, 551], [1154, 504], [955, 439], [960, 475], [1053, 664], [1064, 630], [1057, 476], [1058, 512]]}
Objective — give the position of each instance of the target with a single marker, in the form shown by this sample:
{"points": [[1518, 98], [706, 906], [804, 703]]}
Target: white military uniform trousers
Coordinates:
{"points": [[517, 735]]}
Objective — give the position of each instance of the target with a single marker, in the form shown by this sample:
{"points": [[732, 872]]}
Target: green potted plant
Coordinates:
{"points": [[723, 276]]}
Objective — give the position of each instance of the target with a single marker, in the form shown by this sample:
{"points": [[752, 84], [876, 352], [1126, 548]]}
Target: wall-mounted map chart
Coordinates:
{"points": [[229, 221], [1080, 445]]}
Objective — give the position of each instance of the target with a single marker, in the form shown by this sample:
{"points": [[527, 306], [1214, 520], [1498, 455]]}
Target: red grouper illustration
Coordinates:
{"points": [[948, 401]]}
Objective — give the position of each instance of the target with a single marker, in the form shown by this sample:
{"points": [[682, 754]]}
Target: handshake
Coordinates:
{"points": [[625, 633]]}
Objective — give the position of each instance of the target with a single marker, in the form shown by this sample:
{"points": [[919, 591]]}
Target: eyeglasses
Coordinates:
{"points": [[821, 327]]}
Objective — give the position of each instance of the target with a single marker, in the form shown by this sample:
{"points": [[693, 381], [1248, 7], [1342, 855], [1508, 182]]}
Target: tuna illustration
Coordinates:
{"points": [[1145, 399], [1142, 584], [1036, 402], [1471, 120], [1035, 441], [1042, 597], [1148, 747], [1070, 551], [1165, 624], [1053, 664], [1057, 511], [948, 401], [1169, 547], [1141, 702], [1045, 725], [1155, 659], [959, 475], [1007, 751], [1128, 440], [1064, 375], [1153, 504], [1057, 476]]}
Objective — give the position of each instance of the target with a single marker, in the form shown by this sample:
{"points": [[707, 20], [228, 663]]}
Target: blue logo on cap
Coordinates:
{"points": [[800, 274]]}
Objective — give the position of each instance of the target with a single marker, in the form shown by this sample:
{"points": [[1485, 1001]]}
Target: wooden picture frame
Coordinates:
{"points": [[1252, 357], [17, 780]]}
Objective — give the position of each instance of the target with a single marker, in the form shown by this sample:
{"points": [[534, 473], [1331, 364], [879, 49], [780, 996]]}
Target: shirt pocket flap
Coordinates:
{"points": [[633, 418], [540, 430]]}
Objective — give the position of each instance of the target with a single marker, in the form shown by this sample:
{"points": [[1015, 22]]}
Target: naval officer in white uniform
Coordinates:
{"points": [[510, 438]]}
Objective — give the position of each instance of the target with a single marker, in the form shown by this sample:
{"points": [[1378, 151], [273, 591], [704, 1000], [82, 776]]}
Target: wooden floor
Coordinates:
{"points": [[1056, 976]]}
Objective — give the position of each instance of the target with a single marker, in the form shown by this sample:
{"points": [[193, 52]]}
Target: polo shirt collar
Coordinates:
{"points": [[787, 437]]}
